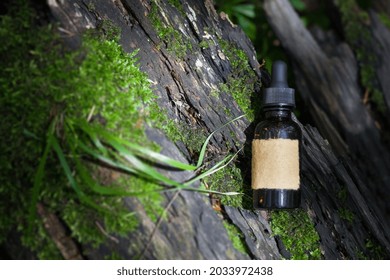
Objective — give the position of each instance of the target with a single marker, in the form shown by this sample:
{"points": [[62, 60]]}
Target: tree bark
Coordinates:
{"points": [[193, 230]]}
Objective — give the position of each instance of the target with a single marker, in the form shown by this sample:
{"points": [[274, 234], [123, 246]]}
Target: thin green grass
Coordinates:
{"points": [[96, 143]]}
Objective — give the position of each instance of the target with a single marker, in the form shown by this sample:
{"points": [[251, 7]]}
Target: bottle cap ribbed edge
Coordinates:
{"points": [[279, 93]]}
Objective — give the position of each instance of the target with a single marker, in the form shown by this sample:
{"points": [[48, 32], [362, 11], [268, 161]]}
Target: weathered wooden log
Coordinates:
{"points": [[184, 80], [184, 85]]}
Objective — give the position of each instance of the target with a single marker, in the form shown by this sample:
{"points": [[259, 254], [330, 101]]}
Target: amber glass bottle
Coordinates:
{"points": [[276, 147]]}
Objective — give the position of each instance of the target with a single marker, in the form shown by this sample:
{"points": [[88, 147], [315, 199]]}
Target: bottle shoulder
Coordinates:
{"points": [[274, 128]]}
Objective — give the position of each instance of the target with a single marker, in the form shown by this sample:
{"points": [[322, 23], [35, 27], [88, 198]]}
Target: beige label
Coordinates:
{"points": [[275, 164]]}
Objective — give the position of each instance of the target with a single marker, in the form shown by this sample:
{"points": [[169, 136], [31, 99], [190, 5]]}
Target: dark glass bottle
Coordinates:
{"points": [[276, 147]]}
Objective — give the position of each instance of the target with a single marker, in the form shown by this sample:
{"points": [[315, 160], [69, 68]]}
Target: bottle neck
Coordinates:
{"points": [[277, 113]]}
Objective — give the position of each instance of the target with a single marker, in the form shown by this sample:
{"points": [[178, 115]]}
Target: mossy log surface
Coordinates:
{"points": [[192, 229], [333, 187]]}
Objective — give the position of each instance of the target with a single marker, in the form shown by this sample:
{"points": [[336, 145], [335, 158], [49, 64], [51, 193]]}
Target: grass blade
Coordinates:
{"points": [[102, 190], [142, 151], [115, 163], [65, 166], [105, 159], [220, 165], [125, 147], [126, 153], [150, 172], [204, 146], [211, 191], [38, 179]]}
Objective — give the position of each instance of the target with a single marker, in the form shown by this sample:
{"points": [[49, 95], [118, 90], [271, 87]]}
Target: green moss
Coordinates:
{"points": [[192, 137], [229, 179], [214, 93], [41, 243], [204, 44], [89, 227], [372, 251], [152, 203], [360, 255], [378, 99], [237, 57], [241, 93], [375, 250], [353, 20], [176, 43], [113, 256], [82, 223], [91, 7], [385, 19], [109, 31], [155, 18], [229, 114], [346, 214], [297, 233], [40, 80], [177, 5], [237, 237], [241, 82], [342, 194], [170, 128], [359, 37]]}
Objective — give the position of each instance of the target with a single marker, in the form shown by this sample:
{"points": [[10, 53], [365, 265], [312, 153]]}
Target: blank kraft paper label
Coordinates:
{"points": [[275, 164]]}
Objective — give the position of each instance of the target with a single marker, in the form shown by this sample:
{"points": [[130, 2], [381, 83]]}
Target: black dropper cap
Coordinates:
{"points": [[279, 94]]}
